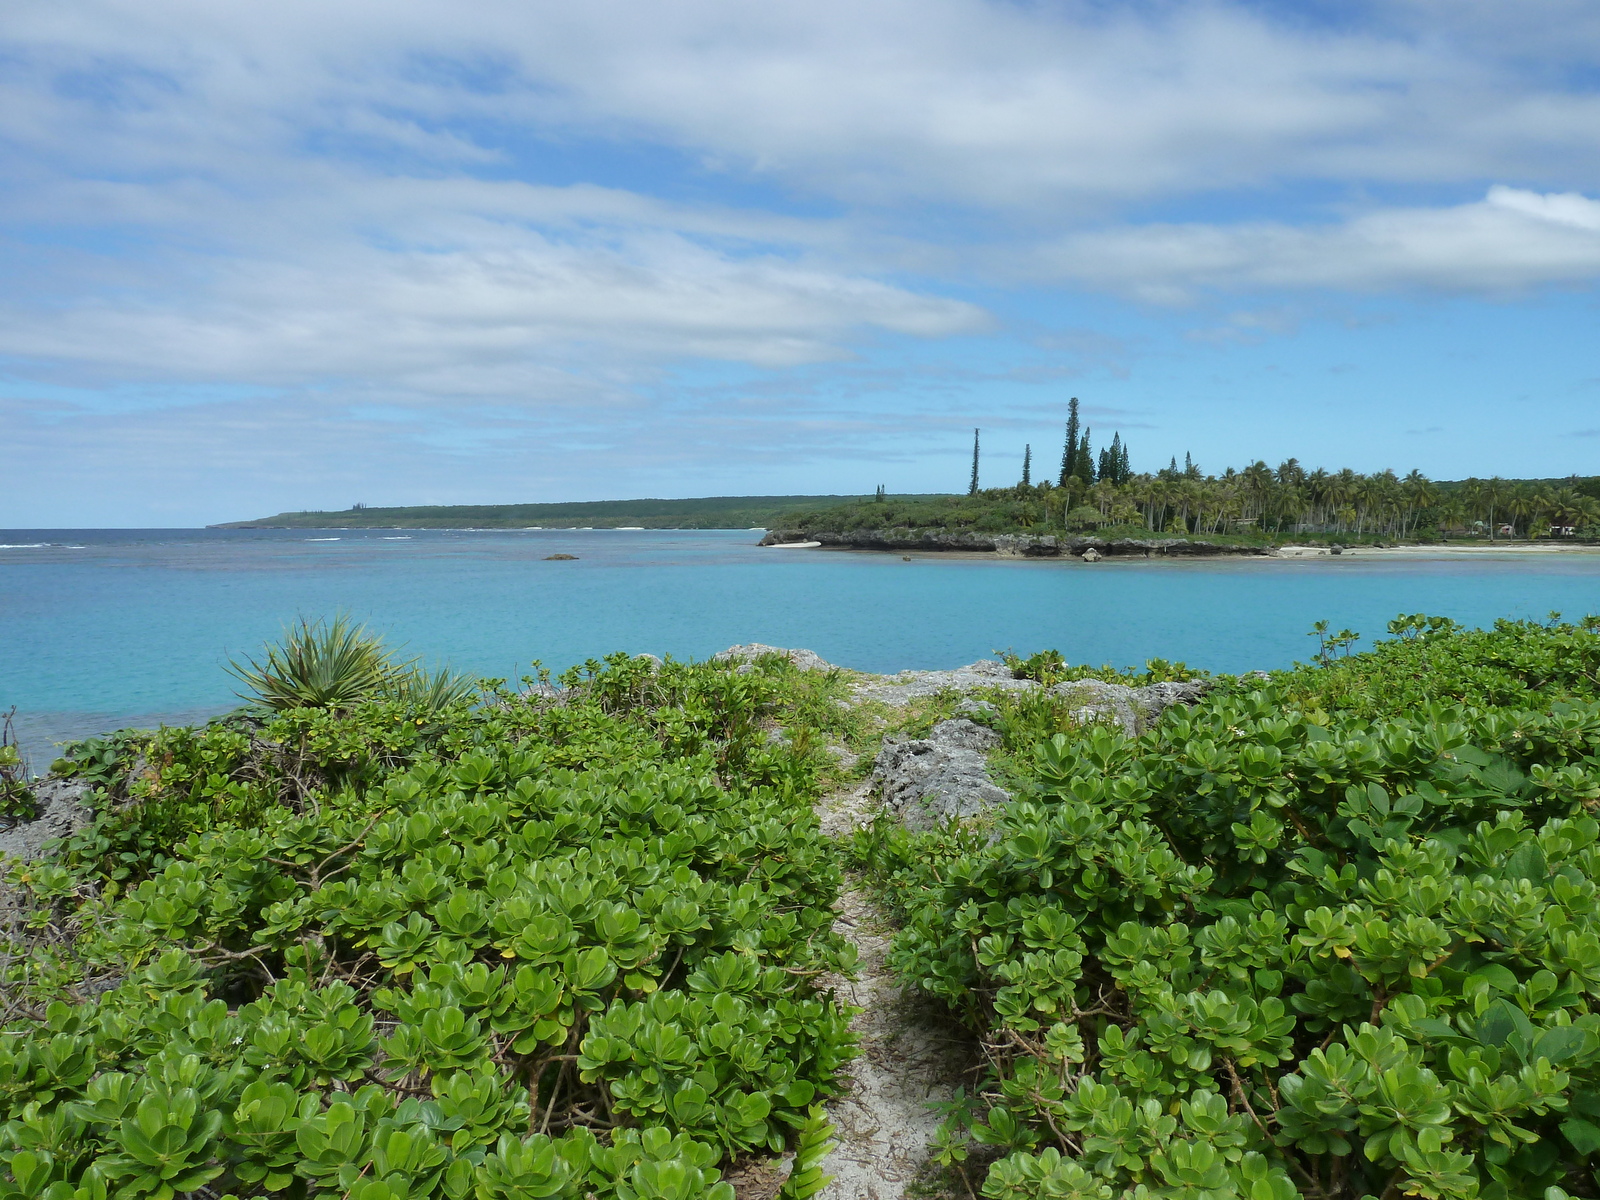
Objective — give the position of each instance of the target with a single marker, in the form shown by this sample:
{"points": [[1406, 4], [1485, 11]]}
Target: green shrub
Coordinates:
{"points": [[1049, 667], [389, 949], [16, 798], [1335, 935]]}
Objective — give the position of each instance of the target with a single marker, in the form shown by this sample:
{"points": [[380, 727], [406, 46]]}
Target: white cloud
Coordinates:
{"points": [[1510, 241], [1568, 208], [1012, 108], [476, 212], [447, 287]]}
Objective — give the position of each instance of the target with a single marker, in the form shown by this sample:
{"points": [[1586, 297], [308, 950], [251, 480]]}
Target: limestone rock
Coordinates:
{"points": [[926, 781], [976, 710], [1133, 709], [1006, 545], [1091, 555], [906, 686], [62, 812], [806, 660]]}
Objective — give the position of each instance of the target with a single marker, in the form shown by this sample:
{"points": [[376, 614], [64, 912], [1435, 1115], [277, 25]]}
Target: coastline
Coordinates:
{"points": [[972, 544]]}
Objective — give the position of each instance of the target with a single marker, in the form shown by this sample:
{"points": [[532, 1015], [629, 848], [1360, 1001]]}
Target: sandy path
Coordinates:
{"points": [[911, 1053]]}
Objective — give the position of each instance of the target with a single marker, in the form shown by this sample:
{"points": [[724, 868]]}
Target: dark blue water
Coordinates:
{"points": [[100, 628]]}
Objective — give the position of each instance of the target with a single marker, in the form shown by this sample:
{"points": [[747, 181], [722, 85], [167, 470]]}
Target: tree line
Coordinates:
{"points": [[1098, 490], [1291, 499]]}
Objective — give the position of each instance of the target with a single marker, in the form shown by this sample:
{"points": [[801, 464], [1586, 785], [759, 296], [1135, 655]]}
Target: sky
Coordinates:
{"points": [[257, 258]]}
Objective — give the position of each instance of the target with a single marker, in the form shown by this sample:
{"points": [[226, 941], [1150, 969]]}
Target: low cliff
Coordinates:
{"points": [[1047, 545]]}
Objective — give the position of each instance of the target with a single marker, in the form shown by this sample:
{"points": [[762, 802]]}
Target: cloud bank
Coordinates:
{"points": [[538, 205]]}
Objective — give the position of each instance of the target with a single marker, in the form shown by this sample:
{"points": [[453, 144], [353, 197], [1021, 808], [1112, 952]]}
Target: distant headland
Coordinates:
{"points": [[707, 512]]}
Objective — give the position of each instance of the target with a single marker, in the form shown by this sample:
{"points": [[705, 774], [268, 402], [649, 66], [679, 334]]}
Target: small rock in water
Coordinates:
{"points": [[1091, 555], [561, 558]]}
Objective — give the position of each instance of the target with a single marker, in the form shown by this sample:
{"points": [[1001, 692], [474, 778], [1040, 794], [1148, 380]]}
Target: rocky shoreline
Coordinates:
{"points": [[1010, 545]]}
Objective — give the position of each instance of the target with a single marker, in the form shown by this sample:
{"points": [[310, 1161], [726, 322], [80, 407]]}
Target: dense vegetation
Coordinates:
{"points": [[1257, 503], [387, 941], [1334, 934], [712, 512]]}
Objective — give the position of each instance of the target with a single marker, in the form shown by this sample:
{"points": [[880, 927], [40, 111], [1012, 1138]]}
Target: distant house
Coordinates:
{"points": [[1508, 531], [1563, 530]]}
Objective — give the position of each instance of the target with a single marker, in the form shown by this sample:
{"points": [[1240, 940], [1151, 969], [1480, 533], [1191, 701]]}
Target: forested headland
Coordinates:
{"points": [[1098, 493], [1256, 504], [706, 512]]}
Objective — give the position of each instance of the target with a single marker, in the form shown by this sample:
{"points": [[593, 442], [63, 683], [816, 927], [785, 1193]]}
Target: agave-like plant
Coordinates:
{"points": [[320, 664], [427, 691]]}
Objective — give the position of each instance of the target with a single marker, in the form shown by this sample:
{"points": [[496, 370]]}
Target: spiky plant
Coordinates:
{"points": [[432, 691], [320, 664]]}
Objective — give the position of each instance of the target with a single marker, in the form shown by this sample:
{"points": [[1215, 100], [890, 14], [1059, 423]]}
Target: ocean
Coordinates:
{"points": [[101, 629]]}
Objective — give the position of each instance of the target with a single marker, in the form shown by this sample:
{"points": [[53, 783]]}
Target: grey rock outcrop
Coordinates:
{"points": [[806, 660], [62, 812], [906, 686], [926, 781], [1133, 709], [976, 710]]}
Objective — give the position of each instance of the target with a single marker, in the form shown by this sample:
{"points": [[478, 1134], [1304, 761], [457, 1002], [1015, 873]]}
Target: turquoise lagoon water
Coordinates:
{"points": [[103, 628]]}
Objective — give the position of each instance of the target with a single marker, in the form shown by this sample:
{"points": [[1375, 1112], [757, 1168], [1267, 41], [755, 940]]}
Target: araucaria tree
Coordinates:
{"points": [[1069, 452], [972, 488], [1114, 462], [1083, 465], [1027, 466]]}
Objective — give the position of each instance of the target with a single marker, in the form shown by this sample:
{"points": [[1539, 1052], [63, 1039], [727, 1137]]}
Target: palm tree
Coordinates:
{"points": [[1341, 491], [1257, 478], [1418, 493], [1494, 494], [1317, 485]]}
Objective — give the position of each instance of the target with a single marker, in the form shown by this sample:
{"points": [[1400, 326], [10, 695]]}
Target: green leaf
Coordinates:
{"points": [[1584, 1136]]}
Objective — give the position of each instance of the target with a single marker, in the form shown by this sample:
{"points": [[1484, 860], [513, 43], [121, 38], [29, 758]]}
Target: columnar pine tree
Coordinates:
{"points": [[1069, 453], [1027, 465], [1084, 468], [1114, 462], [972, 488]]}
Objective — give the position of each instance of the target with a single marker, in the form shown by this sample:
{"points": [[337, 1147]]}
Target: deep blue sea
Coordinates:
{"points": [[105, 628]]}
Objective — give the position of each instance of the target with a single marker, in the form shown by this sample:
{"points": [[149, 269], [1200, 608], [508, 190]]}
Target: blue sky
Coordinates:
{"points": [[298, 255]]}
